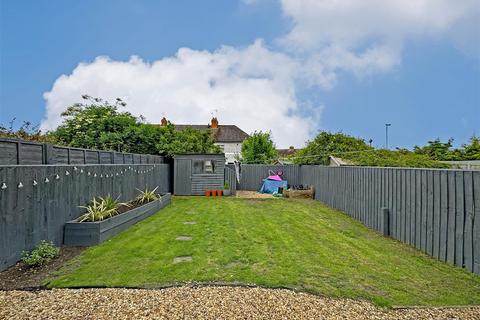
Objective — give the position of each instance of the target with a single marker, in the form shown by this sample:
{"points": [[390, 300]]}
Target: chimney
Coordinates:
{"points": [[163, 122], [214, 124]]}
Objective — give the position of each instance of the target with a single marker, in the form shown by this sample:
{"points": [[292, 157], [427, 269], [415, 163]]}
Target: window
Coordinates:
{"points": [[208, 166], [203, 166]]}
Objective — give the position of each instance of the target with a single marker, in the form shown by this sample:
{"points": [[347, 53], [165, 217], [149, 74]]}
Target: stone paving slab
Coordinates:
{"points": [[183, 238], [182, 259]]}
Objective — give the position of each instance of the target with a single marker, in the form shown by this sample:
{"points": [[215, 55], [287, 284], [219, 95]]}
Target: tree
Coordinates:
{"points": [[471, 151], [326, 144], [259, 148], [358, 152], [438, 150], [98, 124]]}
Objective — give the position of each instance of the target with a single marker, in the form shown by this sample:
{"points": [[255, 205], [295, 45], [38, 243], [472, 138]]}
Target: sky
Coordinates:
{"points": [[292, 67]]}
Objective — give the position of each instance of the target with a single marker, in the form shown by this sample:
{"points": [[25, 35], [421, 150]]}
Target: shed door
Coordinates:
{"points": [[183, 177]]}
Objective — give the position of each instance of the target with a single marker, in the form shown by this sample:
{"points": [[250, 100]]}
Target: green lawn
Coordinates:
{"points": [[298, 244]]}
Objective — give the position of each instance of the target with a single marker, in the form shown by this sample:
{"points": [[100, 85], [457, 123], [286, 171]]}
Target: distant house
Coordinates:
{"points": [[227, 136]]}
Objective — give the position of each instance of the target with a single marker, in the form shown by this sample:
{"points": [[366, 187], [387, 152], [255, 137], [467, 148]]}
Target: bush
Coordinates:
{"points": [[146, 196], [42, 254], [101, 209]]}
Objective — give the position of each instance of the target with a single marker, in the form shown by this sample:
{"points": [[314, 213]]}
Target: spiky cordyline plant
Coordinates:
{"points": [[146, 196], [101, 209]]}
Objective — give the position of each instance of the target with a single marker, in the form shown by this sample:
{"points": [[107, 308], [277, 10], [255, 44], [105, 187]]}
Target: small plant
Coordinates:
{"points": [[42, 254], [146, 196], [226, 185], [101, 209]]}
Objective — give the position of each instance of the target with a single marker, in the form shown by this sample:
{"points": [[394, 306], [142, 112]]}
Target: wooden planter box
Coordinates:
{"points": [[92, 233], [303, 194]]}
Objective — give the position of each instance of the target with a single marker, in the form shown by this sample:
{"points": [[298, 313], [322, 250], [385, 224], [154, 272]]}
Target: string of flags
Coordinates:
{"points": [[35, 183]]}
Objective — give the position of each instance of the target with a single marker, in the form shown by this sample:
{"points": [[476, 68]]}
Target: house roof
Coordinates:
{"points": [[224, 133]]}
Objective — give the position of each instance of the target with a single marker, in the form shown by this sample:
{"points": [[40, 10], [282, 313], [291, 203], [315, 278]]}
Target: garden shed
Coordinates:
{"points": [[196, 173]]}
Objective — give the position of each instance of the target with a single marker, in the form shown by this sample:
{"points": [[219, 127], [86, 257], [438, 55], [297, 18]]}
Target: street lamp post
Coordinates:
{"points": [[386, 134]]}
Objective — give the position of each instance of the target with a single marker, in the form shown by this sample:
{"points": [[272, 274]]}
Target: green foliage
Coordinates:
{"points": [[186, 141], [226, 185], [326, 144], [438, 150], [146, 196], [358, 152], [27, 131], [259, 148], [391, 158], [98, 124], [471, 151], [42, 254], [101, 209]]}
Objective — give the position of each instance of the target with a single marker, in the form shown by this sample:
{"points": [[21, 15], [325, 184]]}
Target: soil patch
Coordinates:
{"points": [[21, 276]]}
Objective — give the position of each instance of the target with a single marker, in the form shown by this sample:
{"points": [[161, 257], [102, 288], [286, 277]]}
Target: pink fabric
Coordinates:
{"points": [[275, 178]]}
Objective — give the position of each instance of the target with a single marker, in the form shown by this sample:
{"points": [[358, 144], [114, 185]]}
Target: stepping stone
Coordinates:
{"points": [[184, 238], [182, 259], [189, 222]]}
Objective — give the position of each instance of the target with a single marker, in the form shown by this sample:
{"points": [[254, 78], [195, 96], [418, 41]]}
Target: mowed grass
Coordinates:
{"points": [[298, 244]]}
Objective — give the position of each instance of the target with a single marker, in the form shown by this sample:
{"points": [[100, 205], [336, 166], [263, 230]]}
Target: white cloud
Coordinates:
{"points": [[251, 87], [367, 36]]}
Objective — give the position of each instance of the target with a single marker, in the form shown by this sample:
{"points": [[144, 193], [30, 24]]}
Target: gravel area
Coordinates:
{"points": [[202, 303]]}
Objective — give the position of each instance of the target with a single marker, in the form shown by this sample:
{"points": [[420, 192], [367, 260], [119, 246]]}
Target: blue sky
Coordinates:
{"points": [[426, 84]]}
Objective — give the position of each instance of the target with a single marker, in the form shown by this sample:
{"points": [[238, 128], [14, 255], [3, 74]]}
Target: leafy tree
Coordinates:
{"points": [[326, 144], [438, 150], [98, 124], [471, 151], [358, 152], [259, 148], [27, 131]]}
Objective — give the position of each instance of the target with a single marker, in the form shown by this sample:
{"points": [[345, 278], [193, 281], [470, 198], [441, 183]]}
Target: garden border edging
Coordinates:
{"points": [[91, 233]]}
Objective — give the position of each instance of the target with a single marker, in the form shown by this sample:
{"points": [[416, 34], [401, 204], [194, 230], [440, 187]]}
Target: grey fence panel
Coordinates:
{"points": [[476, 223], [18, 152], [252, 175], [460, 218], [469, 216], [38, 200], [231, 178]]}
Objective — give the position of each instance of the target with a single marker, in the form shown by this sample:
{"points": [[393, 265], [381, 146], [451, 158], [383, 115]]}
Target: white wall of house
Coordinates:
{"points": [[231, 150]]}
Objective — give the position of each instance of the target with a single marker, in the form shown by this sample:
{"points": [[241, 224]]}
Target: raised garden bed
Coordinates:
{"points": [[92, 233]]}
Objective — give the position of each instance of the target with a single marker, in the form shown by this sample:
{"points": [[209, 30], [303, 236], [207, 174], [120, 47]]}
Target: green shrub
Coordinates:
{"points": [[226, 185], [146, 196], [42, 254], [101, 209]]}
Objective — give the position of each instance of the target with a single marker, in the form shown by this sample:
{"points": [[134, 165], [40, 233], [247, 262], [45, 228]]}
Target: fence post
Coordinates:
{"points": [[49, 156], [386, 221]]}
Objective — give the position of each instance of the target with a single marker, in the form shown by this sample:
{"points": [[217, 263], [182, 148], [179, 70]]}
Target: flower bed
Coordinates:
{"points": [[92, 233]]}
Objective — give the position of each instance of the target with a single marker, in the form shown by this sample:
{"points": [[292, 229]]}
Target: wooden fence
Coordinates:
{"points": [[18, 152], [251, 175], [231, 178], [36, 200], [436, 211]]}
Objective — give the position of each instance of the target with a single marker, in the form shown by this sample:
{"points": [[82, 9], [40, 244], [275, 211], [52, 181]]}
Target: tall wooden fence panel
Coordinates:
{"points": [[231, 178], [19, 152], [436, 211], [36, 200], [251, 175]]}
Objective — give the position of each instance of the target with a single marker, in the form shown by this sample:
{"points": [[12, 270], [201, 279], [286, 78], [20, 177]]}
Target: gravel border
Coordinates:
{"points": [[203, 303]]}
